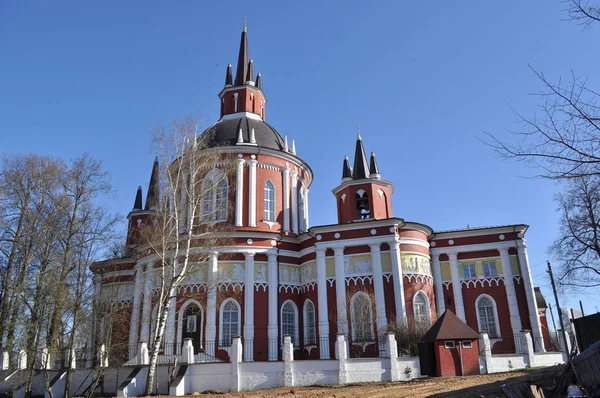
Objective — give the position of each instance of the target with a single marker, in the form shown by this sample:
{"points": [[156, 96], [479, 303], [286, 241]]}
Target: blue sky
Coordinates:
{"points": [[423, 80]]}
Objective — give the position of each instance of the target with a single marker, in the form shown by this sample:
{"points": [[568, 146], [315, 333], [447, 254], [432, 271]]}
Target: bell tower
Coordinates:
{"points": [[362, 195]]}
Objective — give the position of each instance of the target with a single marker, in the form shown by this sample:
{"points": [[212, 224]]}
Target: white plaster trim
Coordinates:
{"points": [[447, 284], [239, 115], [387, 276], [481, 282], [331, 280], [473, 248], [425, 279], [290, 288], [517, 278], [355, 279], [184, 289], [257, 286], [233, 285]]}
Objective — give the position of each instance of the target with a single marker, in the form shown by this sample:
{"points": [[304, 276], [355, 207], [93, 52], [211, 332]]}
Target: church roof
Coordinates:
{"points": [[539, 298], [226, 132], [449, 327]]}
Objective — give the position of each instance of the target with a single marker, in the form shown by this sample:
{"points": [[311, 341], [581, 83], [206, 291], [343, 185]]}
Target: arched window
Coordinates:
{"points": [[190, 323], [310, 329], [230, 322], [214, 197], [487, 316], [421, 309], [362, 205], [269, 201], [289, 322], [362, 318]]}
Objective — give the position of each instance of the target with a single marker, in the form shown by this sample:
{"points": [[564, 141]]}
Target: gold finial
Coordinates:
{"points": [[245, 25]]}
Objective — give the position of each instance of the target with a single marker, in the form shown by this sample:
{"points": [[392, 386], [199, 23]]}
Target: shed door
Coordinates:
{"points": [[427, 359]]}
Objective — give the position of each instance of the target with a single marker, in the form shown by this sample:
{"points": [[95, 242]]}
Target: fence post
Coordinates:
{"points": [[187, 356], [342, 352], [70, 359], [22, 364], [5, 361], [528, 347], [288, 358], [102, 356], [392, 348], [562, 340], [143, 358], [236, 358], [485, 351]]}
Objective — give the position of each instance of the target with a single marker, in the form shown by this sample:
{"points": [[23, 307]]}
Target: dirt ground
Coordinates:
{"points": [[486, 386]]}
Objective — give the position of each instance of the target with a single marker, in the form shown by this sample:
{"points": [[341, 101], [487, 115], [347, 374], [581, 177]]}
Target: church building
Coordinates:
{"points": [[369, 273]]}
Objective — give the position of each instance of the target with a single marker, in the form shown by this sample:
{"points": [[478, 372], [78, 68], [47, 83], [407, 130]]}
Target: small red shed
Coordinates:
{"points": [[449, 348]]}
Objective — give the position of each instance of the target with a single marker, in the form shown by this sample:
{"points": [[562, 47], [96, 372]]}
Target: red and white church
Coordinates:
{"points": [[280, 276]]}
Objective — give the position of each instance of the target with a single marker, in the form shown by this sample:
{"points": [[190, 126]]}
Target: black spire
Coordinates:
{"points": [[258, 81], [153, 188], [137, 205], [242, 65], [373, 169], [346, 170], [361, 166], [250, 74], [229, 76]]}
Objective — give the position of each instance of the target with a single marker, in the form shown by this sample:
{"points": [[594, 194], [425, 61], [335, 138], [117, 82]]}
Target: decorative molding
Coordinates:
{"points": [[424, 279], [290, 288], [235, 286], [416, 265], [359, 267], [362, 279], [257, 286], [447, 284], [309, 286], [331, 280], [387, 276], [517, 278], [481, 282], [191, 288]]}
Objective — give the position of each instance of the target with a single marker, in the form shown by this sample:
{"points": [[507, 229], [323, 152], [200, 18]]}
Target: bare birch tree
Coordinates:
{"points": [[190, 219]]}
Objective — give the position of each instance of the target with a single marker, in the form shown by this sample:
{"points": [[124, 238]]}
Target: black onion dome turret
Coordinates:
{"points": [[137, 205], [152, 198], [229, 76], [250, 74], [373, 168], [226, 132], [258, 81], [243, 58], [346, 170], [361, 166]]}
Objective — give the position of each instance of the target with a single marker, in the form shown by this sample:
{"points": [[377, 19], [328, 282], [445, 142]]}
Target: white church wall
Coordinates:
{"points": [[260, 375], [214, 376], [368, 369], [507, 362], [307, 373], [549, 358]]}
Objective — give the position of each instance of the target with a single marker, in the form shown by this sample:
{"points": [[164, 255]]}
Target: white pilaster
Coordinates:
{"points": [[398, 283], [534, 317], [286, 199], [135, 313], [378, 284], [211, 304], [146, 306], [513, 307], [249, 308], [439, 286], [456, 287], [239, 193], [306, 224], [252, 193], [272, 327], [322, 303], [340, 290], [294, 176]]}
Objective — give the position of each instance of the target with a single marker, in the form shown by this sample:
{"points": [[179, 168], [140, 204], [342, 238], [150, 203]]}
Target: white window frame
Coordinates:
{"points": [[427, 306], [449, 344], [307, 328], [487, 265], [353, 319], [272, 202], [295, 335], [467, 344], [495, 310], [239, 322], [180, 321], [209, 192], [471, 267]]}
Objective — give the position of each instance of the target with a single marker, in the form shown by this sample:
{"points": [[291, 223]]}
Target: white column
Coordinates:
{"points": [[513, 307], [439, 286], [322, 303], [534, 318], [306, 224], [398, 283], [273, 292], [146, 307], [135, 314], [239, 193], [456, 287], [249, 308], [211, 304], [294, 176], [378, 284], [340, 290], [286, 199], [252, 193]]}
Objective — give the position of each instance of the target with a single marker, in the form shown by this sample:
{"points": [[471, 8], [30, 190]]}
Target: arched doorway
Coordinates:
{"points": [[192, 325]]}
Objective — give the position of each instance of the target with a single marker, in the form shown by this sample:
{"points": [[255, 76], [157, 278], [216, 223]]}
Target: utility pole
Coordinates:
{"points": [[552, 315], [581, 306], [560, 317]]}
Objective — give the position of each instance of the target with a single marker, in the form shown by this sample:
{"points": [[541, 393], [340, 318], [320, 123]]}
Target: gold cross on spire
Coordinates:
{"points": [[245, 25]]}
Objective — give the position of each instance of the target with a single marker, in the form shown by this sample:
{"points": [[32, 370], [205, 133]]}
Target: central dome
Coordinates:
{"points": [[226, 132]]}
